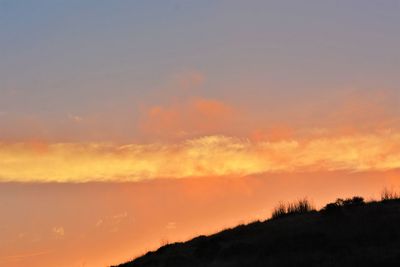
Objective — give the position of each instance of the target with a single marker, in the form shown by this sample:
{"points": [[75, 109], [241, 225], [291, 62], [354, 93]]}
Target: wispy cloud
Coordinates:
{"points": [[75, 118], [112, 223], [58, 232], [171, 226], [189, 79], [19, 257]]}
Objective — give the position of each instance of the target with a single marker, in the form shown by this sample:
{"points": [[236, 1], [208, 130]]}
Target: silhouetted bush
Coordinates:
{"points": [[331, 207], [355, 201], [339, 203], [299, 207]]}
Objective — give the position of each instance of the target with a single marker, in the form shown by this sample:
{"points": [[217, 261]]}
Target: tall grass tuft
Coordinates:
{"points": [[279, 211], [389, 194], [299, 207]]}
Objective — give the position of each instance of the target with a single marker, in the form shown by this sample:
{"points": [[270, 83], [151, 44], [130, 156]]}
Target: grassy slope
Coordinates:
{"points": [[365, 235]]}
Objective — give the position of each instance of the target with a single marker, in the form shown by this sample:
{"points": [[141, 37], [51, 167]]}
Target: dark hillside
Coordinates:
{"points": [[345, 233]]}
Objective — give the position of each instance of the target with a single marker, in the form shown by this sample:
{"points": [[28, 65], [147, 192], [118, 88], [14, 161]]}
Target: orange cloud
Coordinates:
{"points": [[198, 116], [210, 156], [272, 134], [210, 107], [358, 111]]}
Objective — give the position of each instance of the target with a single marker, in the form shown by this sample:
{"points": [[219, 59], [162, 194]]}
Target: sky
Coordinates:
{"points": [[120, 111]]}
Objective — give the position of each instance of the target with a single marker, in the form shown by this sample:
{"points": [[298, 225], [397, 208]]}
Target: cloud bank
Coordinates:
{"points": [[216, 155]]}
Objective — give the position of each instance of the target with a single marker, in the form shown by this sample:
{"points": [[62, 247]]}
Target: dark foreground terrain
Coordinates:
{"points": [[344, 233]]}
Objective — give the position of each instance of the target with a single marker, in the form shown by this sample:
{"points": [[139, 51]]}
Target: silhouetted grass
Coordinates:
{"points": [[279, 211], [299, 207], [389, 194]]}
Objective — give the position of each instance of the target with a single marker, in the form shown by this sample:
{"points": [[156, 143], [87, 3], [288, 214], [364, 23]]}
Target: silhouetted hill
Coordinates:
{"points": [[345, 233]]}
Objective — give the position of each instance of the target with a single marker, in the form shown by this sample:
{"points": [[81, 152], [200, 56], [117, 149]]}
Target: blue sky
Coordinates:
{"points": [[74, 58]]}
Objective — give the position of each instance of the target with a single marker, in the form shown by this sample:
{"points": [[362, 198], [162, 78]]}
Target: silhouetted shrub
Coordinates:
{"points": [[389, 195], [331, 207], [301, 206], [339, 203], [355, 201]]}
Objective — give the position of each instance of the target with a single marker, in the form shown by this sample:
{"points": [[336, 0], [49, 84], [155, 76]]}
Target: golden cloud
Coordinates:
{"points": [[206, 156]]}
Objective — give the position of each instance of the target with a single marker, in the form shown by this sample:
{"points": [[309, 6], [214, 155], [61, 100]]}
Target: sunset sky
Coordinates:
{"points": [[125, 125]]}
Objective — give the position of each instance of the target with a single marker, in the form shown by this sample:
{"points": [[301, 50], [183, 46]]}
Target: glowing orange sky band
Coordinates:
{"points": [[206, 156]]}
